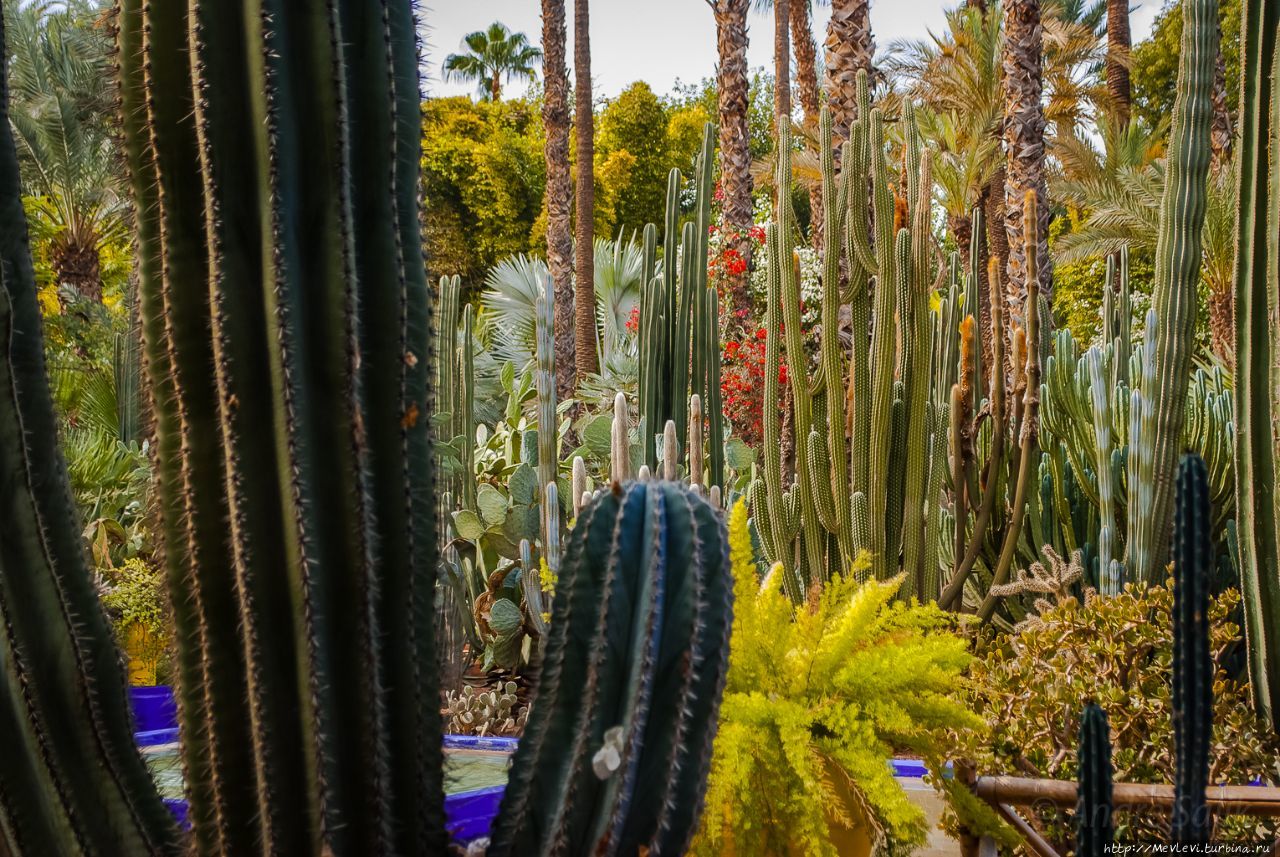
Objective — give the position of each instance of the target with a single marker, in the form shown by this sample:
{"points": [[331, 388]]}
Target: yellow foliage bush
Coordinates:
{"points": [[817, 701]]}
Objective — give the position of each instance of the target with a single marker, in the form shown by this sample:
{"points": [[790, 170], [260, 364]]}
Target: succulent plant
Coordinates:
{"points": [[680, 323], [496, 711]]}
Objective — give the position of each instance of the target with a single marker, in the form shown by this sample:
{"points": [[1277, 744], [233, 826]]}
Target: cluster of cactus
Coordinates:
{"points": [[1098, 452], [1095, 826], [623, 454], [1257, 351], [501, 509], [297, 496], [679, 343], [994, 441], [618, 743], [485, 712], [864, 456]]}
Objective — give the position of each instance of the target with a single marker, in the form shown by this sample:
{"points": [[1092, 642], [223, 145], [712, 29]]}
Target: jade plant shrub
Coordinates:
{"points": [[819, 698], [1117, 651]]}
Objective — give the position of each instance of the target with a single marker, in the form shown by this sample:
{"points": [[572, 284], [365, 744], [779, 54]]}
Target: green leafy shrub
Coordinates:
{"points": [[135, 598], [1032, 685], [817, 702]]}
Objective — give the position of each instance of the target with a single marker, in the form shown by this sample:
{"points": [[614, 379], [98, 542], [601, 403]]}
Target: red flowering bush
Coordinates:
{"points": [[742, 376]]}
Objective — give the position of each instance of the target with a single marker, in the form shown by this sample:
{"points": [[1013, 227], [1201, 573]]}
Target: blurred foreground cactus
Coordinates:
{"points": [[274, 152]]}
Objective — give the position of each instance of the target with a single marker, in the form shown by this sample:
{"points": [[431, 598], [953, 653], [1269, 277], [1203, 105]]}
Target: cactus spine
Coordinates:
{"points": [[619, 739], [1257, 355], [1177, 274], [1095, 830], [1193, 668]]}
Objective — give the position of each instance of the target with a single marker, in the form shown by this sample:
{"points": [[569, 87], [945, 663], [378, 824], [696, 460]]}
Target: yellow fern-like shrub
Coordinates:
{"points": [[817, 701]]}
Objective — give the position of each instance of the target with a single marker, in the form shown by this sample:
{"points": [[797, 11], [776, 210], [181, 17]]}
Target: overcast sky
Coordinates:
{"points": [[662, 41]]}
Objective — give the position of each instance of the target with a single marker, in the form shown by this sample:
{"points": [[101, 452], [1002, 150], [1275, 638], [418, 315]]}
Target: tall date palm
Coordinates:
{"points": [[584, 258], [1024, 141], [559, 194], [733, 93]]}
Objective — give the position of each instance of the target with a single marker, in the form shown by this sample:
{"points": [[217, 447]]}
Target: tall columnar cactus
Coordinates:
{"points": [[619, 739], [1177, 275], [1193, 668], [445, 353], [279, 245], [548, 428], [1095, 829], [679, 321], [1257, 354]]}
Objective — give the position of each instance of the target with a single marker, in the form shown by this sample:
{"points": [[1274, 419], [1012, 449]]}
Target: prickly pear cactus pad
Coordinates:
{"points": [[615, 755]]}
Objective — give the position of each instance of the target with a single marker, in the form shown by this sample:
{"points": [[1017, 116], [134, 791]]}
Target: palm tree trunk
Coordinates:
{"points": [[77, 265], [559, 197], [807, 86], [1118, 45], [1222, 129], [781, 63], [584, 288], [850, 47], [733, 87], [1024, 142], [495, 87]]}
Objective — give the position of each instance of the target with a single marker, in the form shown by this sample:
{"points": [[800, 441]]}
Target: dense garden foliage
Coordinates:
{"points": [[853, 430]]}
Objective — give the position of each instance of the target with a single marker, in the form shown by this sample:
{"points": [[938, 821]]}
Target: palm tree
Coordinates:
{"points": [[60, 92], [1121, 188], [733, 89], [491, 56], [559, 193], [850, 47], [584, 121]]}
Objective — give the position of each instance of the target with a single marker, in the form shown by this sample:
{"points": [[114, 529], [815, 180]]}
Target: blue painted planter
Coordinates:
{"points": [[469, 814]]}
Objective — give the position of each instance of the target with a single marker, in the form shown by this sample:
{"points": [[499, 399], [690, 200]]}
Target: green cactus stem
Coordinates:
{"points": [[1095, 828], [1193, 668], [619, 739], [1177, 274], [1257, 354]]}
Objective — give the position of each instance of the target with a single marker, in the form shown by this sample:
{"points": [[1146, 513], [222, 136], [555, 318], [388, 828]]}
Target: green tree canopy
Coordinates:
{"points": [[1155, 61], [483, 177]]}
